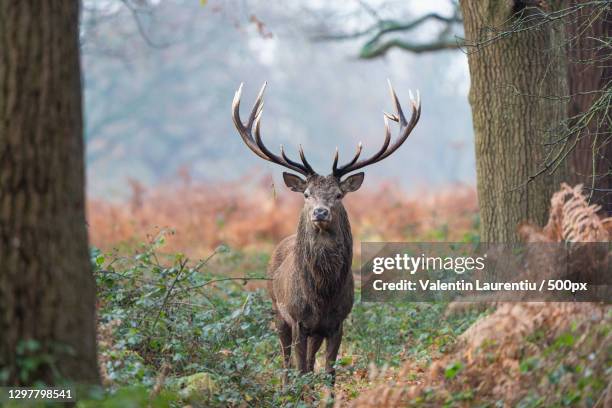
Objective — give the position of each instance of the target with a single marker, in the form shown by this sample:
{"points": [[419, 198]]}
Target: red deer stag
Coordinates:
{"points": [[311, 281]]}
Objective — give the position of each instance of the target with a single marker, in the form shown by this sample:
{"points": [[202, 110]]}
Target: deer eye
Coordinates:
{"points": [[339, 196]]}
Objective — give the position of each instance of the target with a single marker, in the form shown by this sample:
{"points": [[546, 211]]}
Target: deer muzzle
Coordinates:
{"points": [[321, 215]]}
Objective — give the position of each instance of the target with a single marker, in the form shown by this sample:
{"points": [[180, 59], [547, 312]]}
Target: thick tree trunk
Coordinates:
{"points": [[47, 290], [589, 71], [512, 80]]}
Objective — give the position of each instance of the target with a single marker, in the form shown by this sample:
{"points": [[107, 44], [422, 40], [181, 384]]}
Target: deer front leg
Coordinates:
{"points": [[300, 342], [314, 343], [284, 334], [331, 352]]}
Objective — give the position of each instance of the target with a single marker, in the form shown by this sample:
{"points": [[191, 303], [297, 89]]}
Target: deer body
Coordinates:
{"points": [[312, 288], [319, 297], [311, 282]]}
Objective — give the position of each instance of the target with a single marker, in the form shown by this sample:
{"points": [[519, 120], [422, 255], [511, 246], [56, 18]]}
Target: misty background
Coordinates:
{"points": [[159, 81]]}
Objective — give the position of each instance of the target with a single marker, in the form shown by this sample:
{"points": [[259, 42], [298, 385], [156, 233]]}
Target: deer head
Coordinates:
{"points": [[323, 194]]}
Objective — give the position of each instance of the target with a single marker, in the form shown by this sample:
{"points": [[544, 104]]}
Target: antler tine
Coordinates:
{"points": [[336, 170], [257, 106], [304, 161], [391, 116], [255, 143], [396, 104], [335, 164], [352, 165], [244, 132], [288, 160], [405, 128], [386, 149], [273, 157]]}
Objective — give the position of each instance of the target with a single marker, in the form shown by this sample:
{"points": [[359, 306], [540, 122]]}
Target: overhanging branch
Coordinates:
{"points": [[378, 45], [377, 49], [387, 26]]}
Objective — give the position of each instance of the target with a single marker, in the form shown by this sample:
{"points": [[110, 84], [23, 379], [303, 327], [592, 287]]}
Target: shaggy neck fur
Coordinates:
{"points": [[324, 256]]}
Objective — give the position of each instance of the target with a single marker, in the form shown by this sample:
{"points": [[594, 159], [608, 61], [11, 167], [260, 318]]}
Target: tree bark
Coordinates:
{"points": [[47, 289], [515, 82], [591, 161]]}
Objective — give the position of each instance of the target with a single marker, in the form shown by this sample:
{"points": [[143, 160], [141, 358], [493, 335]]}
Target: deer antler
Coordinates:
{"points": [[386, 150], [256, 144]]}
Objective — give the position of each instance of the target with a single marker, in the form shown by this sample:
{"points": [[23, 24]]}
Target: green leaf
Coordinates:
{"points": [[452, 370], [222, 249], [346, 360], [528, 364], [565, 340]]}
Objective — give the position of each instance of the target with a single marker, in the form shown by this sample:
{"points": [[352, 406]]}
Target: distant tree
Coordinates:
{"points": [[47, 289]]}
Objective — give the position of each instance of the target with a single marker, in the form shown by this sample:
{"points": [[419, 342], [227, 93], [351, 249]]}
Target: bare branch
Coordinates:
{"points": [[136, 12], [376, 50], [378, 45], [388, 26]]}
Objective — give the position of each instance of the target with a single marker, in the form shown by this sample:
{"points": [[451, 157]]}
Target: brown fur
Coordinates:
{"points": [[312, 284]]}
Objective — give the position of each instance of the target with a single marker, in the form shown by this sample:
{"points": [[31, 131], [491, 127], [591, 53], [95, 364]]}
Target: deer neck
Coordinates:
{"points": [[324, 256]]}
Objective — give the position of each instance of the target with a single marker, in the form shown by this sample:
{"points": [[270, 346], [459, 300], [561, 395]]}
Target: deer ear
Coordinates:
{"points": [[294, 182], [352, 183]]}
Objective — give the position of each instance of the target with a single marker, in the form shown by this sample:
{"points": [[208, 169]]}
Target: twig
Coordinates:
{"points": [[141, 30], [161, 380], [163, 305], [220, 280], [201, 264]]}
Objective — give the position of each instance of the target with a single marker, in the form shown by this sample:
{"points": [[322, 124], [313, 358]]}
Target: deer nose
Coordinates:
{"points": [[320, 214]]}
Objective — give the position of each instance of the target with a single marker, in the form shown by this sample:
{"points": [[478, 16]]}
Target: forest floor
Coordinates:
{"points": [[194, 328], [209, 338]]}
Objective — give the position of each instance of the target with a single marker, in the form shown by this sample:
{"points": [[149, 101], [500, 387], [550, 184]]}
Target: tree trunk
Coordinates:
{"points": [[591, 161], [512, 79], [47, 290]]}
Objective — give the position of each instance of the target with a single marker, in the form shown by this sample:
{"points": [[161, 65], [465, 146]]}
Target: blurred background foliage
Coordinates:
{"points": [[162, 74]]}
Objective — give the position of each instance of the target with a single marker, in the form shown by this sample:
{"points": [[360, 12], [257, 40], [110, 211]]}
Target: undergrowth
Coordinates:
{"points": [[176, 329]]}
